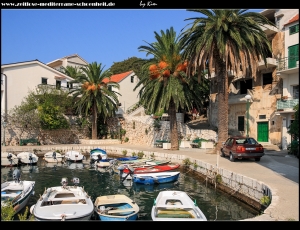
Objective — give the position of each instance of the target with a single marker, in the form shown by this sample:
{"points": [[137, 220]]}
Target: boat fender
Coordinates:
{"points": [[63, 217], [31, 209]]}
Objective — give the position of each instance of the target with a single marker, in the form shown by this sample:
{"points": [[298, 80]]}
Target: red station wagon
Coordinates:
{"points": [[240, 147]]}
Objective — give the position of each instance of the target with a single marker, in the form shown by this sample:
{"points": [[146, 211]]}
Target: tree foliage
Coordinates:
{"points": [[132, 63], [293, 129], [94, 98], [225, 40]]}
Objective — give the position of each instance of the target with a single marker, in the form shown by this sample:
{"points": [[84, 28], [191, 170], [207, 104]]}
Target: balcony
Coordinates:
{"points": [[288, 65], [57, 87], [269, 30], [271, 62], [286, 105]]}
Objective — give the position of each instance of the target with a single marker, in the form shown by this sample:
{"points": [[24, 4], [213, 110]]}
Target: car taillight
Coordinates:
{"points": [[259, 149], [240, 149]]}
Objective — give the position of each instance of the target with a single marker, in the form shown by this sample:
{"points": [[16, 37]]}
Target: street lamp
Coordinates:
{"points": [[247, 97], [4, 126]]}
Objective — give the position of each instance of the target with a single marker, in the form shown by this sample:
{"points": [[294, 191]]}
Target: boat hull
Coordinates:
{"points": [[49, 157], [154, 169], [116, 208], [74, 156], [27, 158], [156, 178], [97, 151], [9, 159], [13, 190], [175, 206]]}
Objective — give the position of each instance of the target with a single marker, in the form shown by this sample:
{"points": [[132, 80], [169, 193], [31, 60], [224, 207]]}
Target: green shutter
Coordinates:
{"points": [[293, 56]]}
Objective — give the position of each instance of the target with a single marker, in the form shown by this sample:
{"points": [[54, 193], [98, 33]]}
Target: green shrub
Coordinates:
{"points": [[140, 154], [126, 139], [133, 154], [124, 152], [187, 162], [265, 200], [7, 211]]}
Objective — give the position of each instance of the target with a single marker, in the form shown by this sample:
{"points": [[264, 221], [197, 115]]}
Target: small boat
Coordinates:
{"points": [[9, 159], [155, 178], [136, 161], [94, 153], [63, 203], [175, 206], [116, 208], [127, 158], [153, 169], [27, 158], [53, 157], [16, 192], [152, 187], [74, 156], [149, 163]]}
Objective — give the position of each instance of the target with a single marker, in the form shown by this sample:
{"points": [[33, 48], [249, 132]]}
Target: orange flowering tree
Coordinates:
{"points": [[93, 97], [164, 81]]}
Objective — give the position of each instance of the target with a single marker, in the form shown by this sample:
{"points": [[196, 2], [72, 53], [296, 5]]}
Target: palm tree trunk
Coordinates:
{"points": [[94, 122], [222, 105], [173, 126]]}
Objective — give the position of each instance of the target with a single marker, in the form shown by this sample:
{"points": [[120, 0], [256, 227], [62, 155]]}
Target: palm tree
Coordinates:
{"points": [[164, 82], [94, 96], [71, 71], [225, 40]]}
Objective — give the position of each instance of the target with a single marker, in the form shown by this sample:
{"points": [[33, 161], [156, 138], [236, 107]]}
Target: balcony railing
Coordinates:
{"points": [[287, 63], [287, 104], [57, 87]]}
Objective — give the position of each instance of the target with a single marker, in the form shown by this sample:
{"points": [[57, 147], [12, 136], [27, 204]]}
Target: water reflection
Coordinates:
{"points": [[215, 205]]}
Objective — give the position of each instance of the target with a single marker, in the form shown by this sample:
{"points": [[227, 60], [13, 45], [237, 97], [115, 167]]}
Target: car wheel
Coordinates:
{"points": [[257, 159], [222, 153], [231, 158]]}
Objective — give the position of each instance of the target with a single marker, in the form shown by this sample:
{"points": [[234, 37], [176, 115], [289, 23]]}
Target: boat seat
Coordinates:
{"points": [[121, 210], [69, 201], [174, 214]]}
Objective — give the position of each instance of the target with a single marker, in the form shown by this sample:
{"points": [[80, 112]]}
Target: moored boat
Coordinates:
{"points": [[117, 207], [9, 159], [53, 157], [96, 152], [153, 169], [27, 158], [63, 203], [155, 178], [175, 206], [16, 192], [74, 156]]}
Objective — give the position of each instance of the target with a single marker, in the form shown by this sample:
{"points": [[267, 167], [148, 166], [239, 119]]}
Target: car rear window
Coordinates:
{"points": [[240, 141]]}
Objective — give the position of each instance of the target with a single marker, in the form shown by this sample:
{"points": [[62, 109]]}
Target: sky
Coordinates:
{"points": [[102, 35]]}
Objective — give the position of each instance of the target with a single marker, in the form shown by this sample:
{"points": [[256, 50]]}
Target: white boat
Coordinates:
{"points": [[175, 206], [96, 152], [63, 203], [74, 156], [27, 158], [117, 207], [17, 192], [9, 159], [53, 157]]}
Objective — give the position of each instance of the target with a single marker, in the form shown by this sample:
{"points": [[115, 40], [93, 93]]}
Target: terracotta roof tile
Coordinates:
{"points": [[118, 77], [294, 19]]}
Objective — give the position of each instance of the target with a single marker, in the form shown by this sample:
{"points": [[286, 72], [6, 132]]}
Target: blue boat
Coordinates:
{"points": [[117, 207], [155, 178], [127, 158], [95, 153]]}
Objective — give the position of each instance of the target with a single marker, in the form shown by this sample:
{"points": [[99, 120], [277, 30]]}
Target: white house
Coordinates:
{"points": [[288, 70], [128, 97], [17, 79]]}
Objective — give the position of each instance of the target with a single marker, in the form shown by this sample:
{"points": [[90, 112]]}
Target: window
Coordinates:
{"points": [[132, 79], [109, 87], [294, 29], [296, 92], [267, 78], [58, 84], [262, 117], [44, 81], [69, 85], [245, 85], [241, 123]]}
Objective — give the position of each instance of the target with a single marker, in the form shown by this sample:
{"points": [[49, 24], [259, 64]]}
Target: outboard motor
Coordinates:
{"points": [[99, 158], [9, 156], [76, 181], [30, 157], [64, 182], [121, 169], [54, 155], [16, 175]]}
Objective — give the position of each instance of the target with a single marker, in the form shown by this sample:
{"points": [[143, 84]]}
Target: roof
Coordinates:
{"points": [[118, 77], [60, 75], [293, 19], [66, 57]]}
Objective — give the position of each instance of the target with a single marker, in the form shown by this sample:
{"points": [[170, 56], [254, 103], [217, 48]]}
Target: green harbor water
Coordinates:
{"points": [[216, 205]]}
